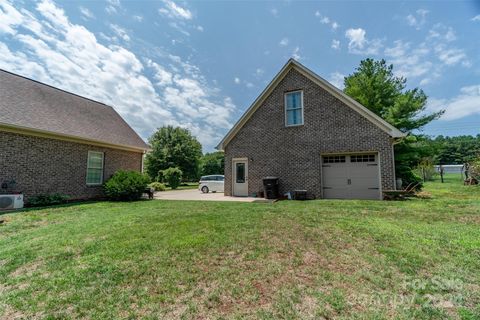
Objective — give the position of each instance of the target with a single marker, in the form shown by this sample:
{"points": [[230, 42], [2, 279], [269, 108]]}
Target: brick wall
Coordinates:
{"points": [[41, 165], [293, 153]]}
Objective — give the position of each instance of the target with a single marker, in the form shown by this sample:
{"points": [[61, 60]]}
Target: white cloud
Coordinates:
{"points": [[466, 103], [336, 78], [441, 38], [440, 32], [9, 18], [476, 18], [236, 80], [451, 56], [296, 54], [47, 47], [430, 58], [326, 20], [284, 42], [113, 6], [259, 72], [359, 44], [249, 85], [418, 19], [274, 12], [335, 44], [408, 62], [172, 10], [87, 14], [162, 76], [119, 31], [138, 18], [356, 37], [200, 28]]}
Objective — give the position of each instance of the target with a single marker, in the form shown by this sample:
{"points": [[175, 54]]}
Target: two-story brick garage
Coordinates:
{"points": [[311, 136], [53, 141]]}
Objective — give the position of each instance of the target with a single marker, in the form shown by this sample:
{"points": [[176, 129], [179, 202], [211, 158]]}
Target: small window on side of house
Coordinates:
{"points": [[333, 159], [95, 168], [294, 108]]}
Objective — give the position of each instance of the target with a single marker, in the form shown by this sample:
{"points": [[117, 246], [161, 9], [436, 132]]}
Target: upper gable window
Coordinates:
{"points": [[294, 108]]}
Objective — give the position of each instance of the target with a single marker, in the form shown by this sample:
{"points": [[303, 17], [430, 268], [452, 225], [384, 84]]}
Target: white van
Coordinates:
{"points": [[213, 183]]}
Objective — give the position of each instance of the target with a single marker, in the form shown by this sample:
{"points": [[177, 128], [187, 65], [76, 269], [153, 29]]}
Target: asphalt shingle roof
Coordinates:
{"points": [[28, 103]]}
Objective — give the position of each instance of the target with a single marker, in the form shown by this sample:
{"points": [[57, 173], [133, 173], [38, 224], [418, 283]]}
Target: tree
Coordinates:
{"points": [[173, 147], [212, 163], [172, 176], [375, 86]]}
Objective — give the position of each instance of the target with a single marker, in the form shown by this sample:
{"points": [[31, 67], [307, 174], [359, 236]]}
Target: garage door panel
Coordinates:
{"points": [[368, 182], [336, 193], [336, 182], [363, 172], [333, 171], [364, 194], [355, 178]]}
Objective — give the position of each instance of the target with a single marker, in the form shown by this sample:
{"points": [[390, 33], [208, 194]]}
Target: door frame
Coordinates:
{"points": [[378, 153], [243, 159]]}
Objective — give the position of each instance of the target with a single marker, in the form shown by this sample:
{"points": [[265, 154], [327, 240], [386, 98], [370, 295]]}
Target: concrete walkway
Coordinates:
{"points": [[197, 195]]}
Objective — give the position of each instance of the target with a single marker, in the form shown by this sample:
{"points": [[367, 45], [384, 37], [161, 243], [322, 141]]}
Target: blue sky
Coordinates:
{"points": [[201, 64]]}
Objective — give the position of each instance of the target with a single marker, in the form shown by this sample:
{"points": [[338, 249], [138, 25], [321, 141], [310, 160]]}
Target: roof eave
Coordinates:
{"points": [[60, 136]]}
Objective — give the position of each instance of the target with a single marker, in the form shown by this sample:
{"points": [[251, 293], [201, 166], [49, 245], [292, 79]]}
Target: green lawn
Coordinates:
{"points": [[206, 260], [185, 186]]}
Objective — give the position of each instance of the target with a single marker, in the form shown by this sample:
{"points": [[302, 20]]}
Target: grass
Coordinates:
{"points": [[220, 260], [184, 186]]}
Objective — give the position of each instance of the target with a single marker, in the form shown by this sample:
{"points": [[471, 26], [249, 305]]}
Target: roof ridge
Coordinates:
{"points": [[53, 87]]}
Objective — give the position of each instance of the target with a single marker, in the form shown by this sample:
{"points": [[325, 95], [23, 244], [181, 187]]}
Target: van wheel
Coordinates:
{"points": [[205, 189]]}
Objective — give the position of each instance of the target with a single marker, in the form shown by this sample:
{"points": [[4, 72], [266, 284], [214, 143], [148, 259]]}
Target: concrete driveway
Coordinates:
{"points": [[197, 195]]}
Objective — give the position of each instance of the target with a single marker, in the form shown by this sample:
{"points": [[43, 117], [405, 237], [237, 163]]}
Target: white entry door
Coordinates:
{"points": [[240, 177], [353, 176]]}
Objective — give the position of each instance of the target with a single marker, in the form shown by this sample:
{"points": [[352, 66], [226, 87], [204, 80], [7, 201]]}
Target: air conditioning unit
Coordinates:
{"points": [[11, 201]]}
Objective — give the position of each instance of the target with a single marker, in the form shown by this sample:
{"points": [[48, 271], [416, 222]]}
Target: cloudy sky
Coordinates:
{"points": [[200, 65]]}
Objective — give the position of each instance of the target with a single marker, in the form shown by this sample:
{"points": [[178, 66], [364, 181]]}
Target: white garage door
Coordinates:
{"points": [[351, 176]]}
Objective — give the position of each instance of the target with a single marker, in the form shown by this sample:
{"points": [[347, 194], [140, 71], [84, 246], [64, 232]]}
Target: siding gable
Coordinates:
{"points": [[291, 66]]}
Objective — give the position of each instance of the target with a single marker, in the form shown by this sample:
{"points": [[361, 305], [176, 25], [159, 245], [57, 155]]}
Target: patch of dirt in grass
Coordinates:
{"points": [[470, 219], [286, 261], [14, 314], [27, 269]]}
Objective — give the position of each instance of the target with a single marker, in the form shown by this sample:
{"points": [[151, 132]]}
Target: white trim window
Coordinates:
{"points": [[294, 108], [95, 168]]}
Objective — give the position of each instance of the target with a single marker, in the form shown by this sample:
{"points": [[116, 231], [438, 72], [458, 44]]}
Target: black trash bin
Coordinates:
{"points": [[270, 185]]}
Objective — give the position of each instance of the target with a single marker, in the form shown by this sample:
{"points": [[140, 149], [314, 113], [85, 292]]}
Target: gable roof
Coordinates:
{"points": [[33, 107], [339, 94]]}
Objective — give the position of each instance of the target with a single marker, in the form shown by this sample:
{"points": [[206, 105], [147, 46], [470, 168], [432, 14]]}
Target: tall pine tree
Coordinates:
{"points": [[375, 86]]}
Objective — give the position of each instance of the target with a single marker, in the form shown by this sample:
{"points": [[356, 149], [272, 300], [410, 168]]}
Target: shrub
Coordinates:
{"points": [[43, 200], [126, 185], [173, 176], [474, 169], [425, 170], [157, 186], [409, 177]]}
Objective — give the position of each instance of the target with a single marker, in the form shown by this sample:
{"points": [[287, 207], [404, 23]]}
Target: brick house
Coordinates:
{"points": [[311, 136], [53, 141]]}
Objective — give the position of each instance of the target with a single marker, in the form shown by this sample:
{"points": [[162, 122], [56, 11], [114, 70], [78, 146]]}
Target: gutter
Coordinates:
{"points": [[65, 137]]}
